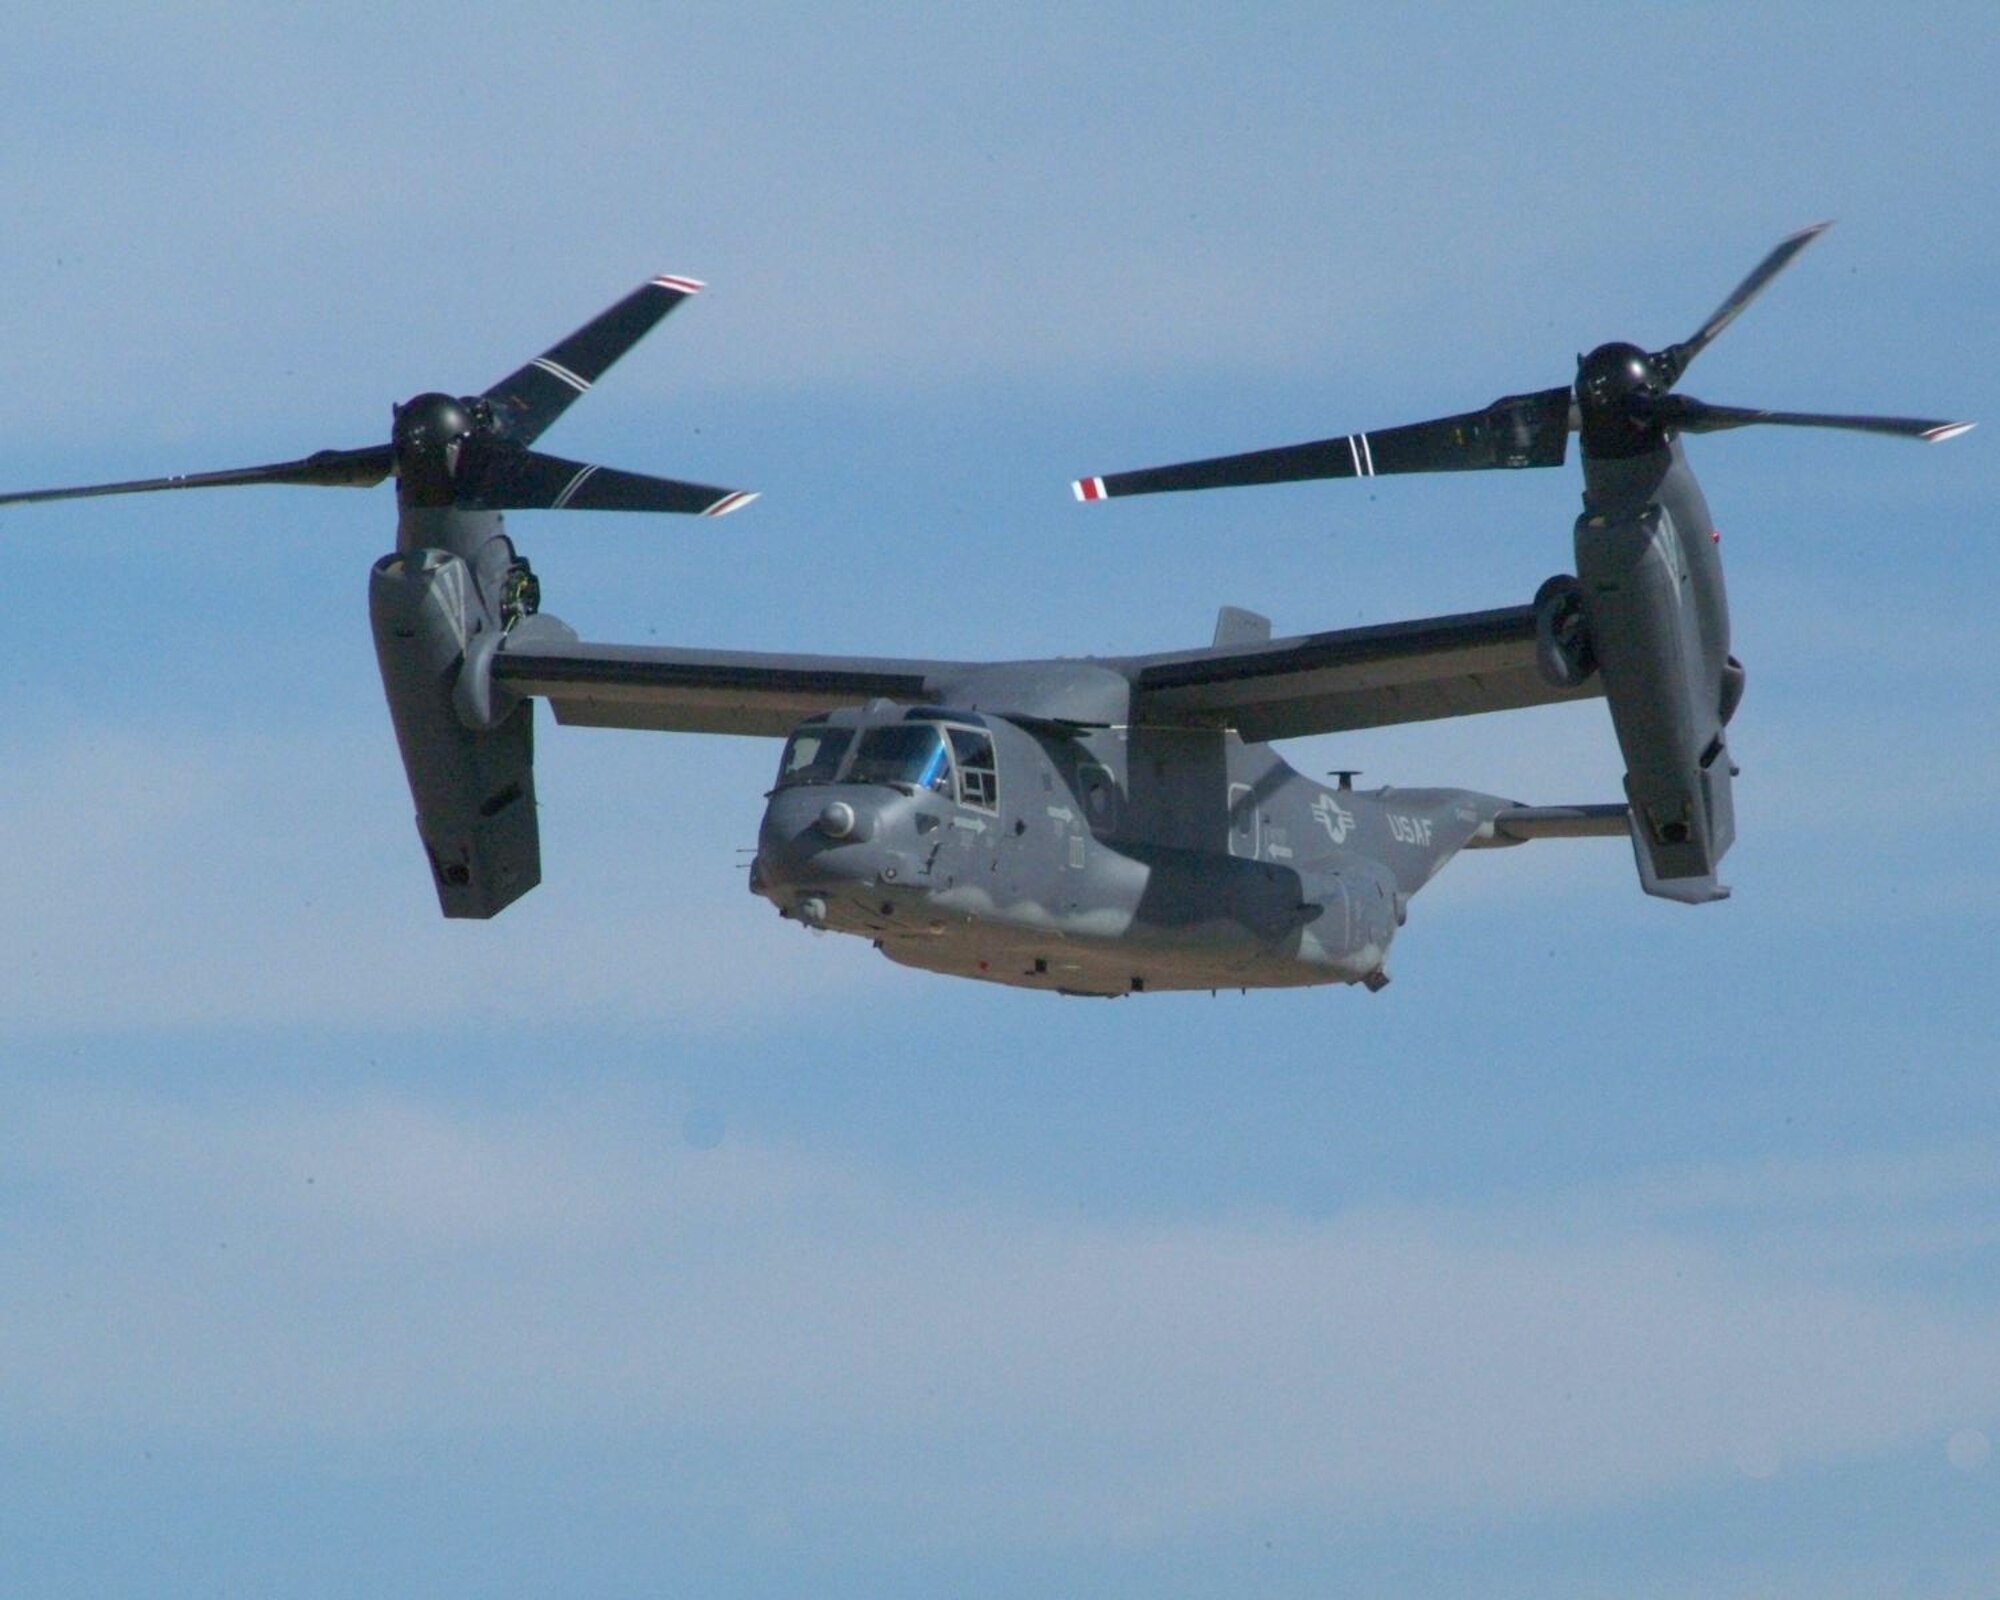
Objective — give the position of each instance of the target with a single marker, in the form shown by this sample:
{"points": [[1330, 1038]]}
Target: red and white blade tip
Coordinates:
{"points": [[679, 285], [735, 500], [1089, 488], [1948, 430]]}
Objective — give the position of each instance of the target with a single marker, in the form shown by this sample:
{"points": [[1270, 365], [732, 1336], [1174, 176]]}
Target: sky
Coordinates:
{"points": [[638, 1243]]}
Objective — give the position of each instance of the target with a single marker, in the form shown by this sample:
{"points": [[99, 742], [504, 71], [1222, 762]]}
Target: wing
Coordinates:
{"points": [[1280, 689], [705, 691], [1454, 666]]}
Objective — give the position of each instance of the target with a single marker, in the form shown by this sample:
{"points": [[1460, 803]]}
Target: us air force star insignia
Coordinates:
{"points": [[1338, 823]]}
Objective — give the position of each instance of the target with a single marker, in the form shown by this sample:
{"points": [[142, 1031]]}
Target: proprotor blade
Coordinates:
{"points": [[1678, 356], [1522, 430], [359, 469], [1694, 416], [527, 480], [527, 401]]}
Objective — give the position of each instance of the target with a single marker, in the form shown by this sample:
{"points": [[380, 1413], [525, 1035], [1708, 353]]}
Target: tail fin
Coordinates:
{"points": [[1693, 891]]}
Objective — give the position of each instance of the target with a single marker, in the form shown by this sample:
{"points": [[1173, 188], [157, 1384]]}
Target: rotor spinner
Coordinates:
{"points": [[428, 438], [1618, 388]]}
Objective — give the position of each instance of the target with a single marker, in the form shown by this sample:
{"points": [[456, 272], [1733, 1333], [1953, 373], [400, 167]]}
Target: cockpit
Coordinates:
{"points": [[922, 752], [914, 754], [813, 755]]}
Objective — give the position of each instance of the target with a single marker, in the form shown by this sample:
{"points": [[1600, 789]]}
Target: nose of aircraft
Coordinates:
{"points": [[819, 839]]}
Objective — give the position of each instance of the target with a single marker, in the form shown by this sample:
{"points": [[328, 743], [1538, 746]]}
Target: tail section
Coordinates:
{"points": [[1689, 891], [1518, 824]]}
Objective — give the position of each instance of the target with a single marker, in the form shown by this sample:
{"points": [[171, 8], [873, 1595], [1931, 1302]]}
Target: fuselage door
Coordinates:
{"points": [[1245, 826]]}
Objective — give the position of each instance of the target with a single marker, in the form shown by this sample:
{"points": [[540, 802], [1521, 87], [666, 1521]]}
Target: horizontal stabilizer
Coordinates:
{"points": [[1519, 824]]}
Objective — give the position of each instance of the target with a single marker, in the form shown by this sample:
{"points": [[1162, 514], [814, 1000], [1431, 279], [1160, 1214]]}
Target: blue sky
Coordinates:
{"points": [[639, 1243]]}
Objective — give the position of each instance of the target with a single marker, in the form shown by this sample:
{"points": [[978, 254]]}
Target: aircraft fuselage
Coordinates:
{"points": [[1102, 861]]}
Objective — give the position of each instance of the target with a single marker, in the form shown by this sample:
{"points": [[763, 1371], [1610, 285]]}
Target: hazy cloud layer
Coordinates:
{"points": [[375, 1268]]}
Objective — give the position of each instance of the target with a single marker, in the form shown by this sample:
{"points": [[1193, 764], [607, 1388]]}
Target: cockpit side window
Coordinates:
{"points": [[912, 754], [978, 778], [812, 755]]}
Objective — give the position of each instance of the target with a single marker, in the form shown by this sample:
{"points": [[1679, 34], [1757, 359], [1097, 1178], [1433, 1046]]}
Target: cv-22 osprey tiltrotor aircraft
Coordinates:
{"points": [[1090, 826]]}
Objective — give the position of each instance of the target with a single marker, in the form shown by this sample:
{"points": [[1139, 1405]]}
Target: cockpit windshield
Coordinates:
{"points": [[911, 753], [812, 755]]}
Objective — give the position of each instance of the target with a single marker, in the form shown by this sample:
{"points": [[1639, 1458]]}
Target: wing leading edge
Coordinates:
{"points": [[703, 691], [1455, 666], [1331, 682]]}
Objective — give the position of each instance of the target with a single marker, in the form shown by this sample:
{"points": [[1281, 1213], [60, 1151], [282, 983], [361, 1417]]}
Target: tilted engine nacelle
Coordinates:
{"points": [[470, 762], [1653, 607]]}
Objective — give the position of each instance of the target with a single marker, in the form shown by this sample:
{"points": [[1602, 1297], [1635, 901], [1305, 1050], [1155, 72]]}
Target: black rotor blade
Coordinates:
{"points": [[340, 469], [527, 480], [1520, 430], [1694, 416], [1679, 355], [527, 401]]}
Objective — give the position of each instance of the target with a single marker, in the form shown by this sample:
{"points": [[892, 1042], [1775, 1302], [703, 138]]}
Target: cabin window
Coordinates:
{"points": [[812, 755], [978, 777]]}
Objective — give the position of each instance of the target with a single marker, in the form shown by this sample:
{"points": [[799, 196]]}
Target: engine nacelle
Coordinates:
{"points": [[474, 787], [1656, 644]]}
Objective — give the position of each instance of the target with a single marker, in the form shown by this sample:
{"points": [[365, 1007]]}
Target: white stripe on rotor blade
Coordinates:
{"points": [[736, 500], [570, 489], [1368, 454], [1949, 430], [667, 280], [555, 369]]}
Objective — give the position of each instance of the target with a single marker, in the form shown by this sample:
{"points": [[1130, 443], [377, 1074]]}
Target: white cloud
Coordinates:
{"points": [[378, 1268]]}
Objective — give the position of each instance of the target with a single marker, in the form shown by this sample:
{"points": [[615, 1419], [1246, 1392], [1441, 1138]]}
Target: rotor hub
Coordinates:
{"points": [[430, 433], [1618, 387]]}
